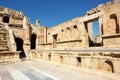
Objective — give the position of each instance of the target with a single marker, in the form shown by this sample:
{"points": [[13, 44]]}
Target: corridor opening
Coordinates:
{"points": [[19, 47], [93, 30], [6, 19], [33, 41]]}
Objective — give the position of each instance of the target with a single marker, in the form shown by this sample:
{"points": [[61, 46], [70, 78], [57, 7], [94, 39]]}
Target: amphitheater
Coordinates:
{"points": [[69, 45]]}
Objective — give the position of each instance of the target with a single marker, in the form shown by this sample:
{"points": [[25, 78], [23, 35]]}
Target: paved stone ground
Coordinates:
{"points": [[31, 70]]}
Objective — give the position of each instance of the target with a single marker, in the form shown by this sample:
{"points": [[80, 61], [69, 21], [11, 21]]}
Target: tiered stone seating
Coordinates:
{"points": [[6, 55], [3, 39]]}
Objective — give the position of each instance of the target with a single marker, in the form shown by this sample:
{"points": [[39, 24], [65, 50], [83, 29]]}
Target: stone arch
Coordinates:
{"points": [[6, 19], [114, 17], [33, 41], [109, 66], [19, 47]]}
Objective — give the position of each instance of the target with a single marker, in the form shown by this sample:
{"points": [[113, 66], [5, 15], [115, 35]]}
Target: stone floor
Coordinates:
{"points": [[31, 70]]}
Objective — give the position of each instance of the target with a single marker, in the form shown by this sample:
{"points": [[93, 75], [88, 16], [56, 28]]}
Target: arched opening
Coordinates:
{"points": [[6, 19], [19, 45], [49, 57], [75, 26], [33, 41], [78, 61], [111, 67], [55, 40], [113, 16], [61, 60]]}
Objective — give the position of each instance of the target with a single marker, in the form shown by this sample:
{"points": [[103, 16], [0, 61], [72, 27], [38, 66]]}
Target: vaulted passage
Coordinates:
{"points": [[114, 17], [33, 41], [19, 45]]}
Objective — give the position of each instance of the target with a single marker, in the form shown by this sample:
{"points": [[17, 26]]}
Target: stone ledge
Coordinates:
{"points": [[111, 35]]}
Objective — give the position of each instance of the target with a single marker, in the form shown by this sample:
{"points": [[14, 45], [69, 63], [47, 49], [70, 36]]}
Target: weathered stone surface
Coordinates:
{"points": [[69, 44]]}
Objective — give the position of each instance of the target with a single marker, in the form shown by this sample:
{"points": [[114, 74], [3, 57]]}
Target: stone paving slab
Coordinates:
{"points": [[32, 74], [62, 73], [31, 70], [4, 74], [16, 74]]}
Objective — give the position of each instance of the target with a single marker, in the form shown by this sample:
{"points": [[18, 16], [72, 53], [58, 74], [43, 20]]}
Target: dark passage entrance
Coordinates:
{"points": [[6, 19], [78, 61], [19, 45], [33, 41], [54, 40]]}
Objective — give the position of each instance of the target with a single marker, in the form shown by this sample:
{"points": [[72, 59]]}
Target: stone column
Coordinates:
{"points": [[37, 33], [26, 26], [119, 25], [45, 35], [100, 25], [84, 37], [90, 30]]}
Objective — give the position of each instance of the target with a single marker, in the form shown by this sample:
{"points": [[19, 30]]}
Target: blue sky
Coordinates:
{"points": [[52, 12]]}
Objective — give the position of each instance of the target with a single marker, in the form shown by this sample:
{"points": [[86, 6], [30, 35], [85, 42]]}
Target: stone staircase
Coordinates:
{"points": [[4, 36]]}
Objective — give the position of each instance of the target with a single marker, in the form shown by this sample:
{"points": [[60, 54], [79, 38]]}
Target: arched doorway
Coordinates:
{"points": [[19, 45], [33, 41], [114, 17]]}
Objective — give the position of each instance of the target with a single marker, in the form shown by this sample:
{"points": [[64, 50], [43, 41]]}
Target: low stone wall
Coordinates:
{"points": [[103, 63], [9, 56]]}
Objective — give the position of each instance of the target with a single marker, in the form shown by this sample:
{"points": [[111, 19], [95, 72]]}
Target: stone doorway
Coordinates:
{"points": [[19, 47], [33, 41], [61, 60], [78, 61], [54, 40], [93, 30]]}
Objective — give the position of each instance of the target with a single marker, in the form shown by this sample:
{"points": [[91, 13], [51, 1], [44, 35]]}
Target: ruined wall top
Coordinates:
{"points": [[101, 7], [10, 12], [95, 10]]}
